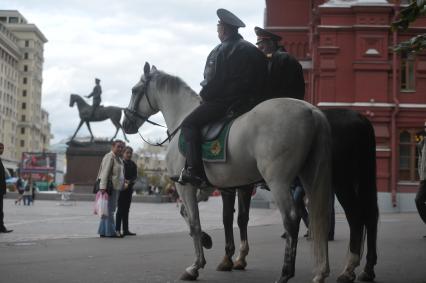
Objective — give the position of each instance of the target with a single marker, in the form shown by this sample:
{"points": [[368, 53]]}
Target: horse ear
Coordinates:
{"points": [[146, 69], [153, 68]]}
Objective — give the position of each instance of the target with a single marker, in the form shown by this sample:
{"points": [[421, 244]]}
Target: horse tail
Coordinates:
{"points": [[318, 170], [367, 189]]}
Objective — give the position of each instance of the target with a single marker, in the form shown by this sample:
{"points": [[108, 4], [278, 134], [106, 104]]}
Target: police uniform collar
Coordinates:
{"points": [[263, 34], [226, 17]]}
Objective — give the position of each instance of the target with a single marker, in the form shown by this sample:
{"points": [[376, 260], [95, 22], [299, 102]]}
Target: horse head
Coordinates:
{"points": [[73, 99], [142, 103]]}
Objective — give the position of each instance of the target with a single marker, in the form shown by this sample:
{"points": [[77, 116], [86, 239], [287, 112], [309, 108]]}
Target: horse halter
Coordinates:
{"points": [[130, 113]]}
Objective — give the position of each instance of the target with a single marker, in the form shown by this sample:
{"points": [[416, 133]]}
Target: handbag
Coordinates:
{"points": [[101, 205], [109, 187]]}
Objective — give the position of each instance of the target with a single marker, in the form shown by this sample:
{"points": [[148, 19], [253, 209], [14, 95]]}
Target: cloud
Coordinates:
{"points": [[113, 39]]}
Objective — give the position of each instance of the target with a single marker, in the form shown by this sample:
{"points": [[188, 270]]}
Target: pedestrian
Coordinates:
{"points": [[420, 199], [3, 229], [125, 195], [28, 192], [20, 187], [111, 176]]}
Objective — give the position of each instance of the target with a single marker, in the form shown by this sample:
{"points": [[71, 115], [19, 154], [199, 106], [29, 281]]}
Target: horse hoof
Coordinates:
{"points": [[225, 265], [240, 265], [206, 240], [188, 277], [346, 278], [367, 276]]}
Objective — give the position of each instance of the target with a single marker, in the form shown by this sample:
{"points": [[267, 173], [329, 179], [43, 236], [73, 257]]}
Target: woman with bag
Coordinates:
{"points": [[111, 181]]}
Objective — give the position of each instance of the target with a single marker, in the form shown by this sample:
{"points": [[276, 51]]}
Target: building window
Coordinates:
{"points": [[24, 105], [25, 80], [23, 131], [407, 72], [27, 43], [23, 118], [22, 143], [25, 68], [408, 155], [13, 20], [26, 55], [24, 92]]}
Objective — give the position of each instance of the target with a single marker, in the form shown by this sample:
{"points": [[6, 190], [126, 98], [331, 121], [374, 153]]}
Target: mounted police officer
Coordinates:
{"points": [[285, 74], [234, 74], [96, 94]]}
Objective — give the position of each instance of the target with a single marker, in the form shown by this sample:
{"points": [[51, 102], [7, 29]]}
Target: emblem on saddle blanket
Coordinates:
{"points": [[212, 149]]}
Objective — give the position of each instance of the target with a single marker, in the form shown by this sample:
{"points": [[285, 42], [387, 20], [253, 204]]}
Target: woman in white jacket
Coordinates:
{"points": [[111, 175]]}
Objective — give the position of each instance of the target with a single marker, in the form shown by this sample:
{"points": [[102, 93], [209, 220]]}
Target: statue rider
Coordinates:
{"points": [[285, 74], [234, 74], [96, 94]]}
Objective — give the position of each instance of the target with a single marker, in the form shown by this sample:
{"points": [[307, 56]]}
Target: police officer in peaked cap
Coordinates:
{"points": [[234, 74], [285, 73]]}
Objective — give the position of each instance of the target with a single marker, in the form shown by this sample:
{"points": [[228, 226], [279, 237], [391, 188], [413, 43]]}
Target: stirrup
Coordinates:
{"points": [[178, 179]]}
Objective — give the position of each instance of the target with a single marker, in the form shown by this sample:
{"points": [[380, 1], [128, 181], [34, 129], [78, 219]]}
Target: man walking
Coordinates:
{"points": [[421, 194], [2, 192]]}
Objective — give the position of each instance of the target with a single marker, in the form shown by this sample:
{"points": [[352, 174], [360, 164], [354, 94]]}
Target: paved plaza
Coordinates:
{"points": [[58, 243]]}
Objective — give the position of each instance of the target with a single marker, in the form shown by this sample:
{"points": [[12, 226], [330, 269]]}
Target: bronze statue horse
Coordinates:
{"points": [[102, 113]]}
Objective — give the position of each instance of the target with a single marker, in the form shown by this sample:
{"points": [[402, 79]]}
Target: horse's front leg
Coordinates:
{"points": [[244, 198], [228, 199], [78, 128], [90, 131], [189, 199]]}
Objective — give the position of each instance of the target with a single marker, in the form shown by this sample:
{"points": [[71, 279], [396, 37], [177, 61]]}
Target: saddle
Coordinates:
{"points": [[211, 131]]}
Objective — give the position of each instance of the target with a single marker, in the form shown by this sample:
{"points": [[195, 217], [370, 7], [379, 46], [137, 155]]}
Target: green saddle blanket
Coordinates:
{"points": [[214, 150]]}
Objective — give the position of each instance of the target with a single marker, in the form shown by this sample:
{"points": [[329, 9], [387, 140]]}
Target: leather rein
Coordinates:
{"points": [[130, 113]]}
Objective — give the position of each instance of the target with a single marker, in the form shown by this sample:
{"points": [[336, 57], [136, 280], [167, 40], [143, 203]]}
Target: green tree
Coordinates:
{"points": [[407, 15]]}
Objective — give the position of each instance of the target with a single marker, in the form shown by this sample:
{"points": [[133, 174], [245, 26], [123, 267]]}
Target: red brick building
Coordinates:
{"points": [[345, 47]]}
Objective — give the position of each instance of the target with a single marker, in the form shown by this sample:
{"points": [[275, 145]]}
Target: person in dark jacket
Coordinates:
{"points": [[125, 197], [2, 192], [285, 73], [234, 74], [420, 199]]}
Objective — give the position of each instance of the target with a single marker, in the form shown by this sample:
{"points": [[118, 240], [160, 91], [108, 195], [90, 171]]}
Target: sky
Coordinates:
{"points": [[112, 40]]}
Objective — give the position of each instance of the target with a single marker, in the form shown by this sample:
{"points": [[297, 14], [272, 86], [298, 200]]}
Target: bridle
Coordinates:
{"points": [[131, 113]]}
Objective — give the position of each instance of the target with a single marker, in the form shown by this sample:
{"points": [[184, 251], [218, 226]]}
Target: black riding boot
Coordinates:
{"points": [[193, 173]]}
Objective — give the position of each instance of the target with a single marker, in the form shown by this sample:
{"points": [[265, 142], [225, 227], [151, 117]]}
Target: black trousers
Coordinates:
{"points": [[421, 200], [191, 130], [123, 207], [1, 211]]}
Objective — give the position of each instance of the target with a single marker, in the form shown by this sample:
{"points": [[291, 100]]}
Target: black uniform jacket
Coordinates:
{"points": [[285, 76], [235, 71]]}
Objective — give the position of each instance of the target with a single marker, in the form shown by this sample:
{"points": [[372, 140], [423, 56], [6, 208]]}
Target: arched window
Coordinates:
{"points": [[408, 155]]}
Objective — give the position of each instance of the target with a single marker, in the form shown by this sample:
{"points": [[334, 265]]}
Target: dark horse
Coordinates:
{"points": [[102, 113], [354, 183]]}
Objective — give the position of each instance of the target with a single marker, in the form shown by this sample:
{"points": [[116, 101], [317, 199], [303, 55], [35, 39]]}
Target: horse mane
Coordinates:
{"points": [[172, 84]]}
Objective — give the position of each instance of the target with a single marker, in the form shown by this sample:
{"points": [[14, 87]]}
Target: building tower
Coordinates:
{"points": [[31, 127]]}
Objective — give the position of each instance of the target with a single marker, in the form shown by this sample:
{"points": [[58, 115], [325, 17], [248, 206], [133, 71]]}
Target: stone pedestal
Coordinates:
{"points": [[83, 161]]}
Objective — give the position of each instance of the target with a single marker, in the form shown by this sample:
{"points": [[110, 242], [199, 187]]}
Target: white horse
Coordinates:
{"points": [[275, 141]]}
